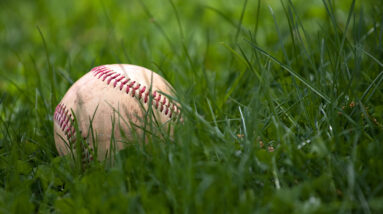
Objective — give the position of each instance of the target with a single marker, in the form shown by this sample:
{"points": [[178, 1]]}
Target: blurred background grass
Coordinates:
{"points": [[321, 111]]}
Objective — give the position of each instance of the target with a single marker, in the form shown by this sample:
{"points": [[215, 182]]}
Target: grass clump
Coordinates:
{"points": [[281, 105]]}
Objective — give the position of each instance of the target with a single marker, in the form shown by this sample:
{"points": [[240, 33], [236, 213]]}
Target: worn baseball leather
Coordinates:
{"points": [[113, 97]]}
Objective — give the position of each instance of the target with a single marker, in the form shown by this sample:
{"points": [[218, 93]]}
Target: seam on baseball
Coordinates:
{"points": [[64, 119], [135, 89]]}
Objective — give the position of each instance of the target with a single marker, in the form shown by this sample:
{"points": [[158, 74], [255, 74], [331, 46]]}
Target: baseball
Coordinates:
{"points": [[110, 103]]}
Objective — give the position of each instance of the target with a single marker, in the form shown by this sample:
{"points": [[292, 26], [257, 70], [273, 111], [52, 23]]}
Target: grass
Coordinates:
{"points": [[302, 79]]}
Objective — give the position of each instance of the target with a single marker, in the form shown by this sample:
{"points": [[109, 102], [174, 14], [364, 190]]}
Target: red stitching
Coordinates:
{"points": [[117, 80], [130, 86], [146, 97], [103, 73], [107, 75], [113, 77], [99, 69], [123, 83], [165, 106], [64, 120], [166, 111], [163, 103], [157, 99], [135, 89], [62, 116], [141, 91]]}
